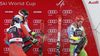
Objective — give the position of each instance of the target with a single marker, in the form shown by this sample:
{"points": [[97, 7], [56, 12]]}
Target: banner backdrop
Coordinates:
{"points": [[46, 10]]}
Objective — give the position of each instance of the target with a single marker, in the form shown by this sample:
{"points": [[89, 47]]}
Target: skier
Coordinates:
{"points": [[24, 14], [14, 37], [76, 32]]}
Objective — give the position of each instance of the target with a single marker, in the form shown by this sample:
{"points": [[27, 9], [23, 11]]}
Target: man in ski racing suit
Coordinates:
{"points": [[14, 37], [24, 14], [76, 32]]}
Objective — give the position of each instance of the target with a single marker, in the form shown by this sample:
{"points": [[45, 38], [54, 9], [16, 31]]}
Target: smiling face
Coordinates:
{"points": [[79, 23]]}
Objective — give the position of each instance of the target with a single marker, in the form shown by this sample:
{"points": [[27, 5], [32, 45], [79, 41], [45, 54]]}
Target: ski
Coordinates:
{"points": [[41, 38], [59, 34], [63, 45], [27, 47]]}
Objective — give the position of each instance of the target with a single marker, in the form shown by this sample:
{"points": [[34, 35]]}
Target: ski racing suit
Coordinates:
{"points": [[74, 36], [14, 36], [34, 34]]}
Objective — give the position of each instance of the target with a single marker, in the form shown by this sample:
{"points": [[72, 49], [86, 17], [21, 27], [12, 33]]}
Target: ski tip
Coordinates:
{"points": [[42, 21], [59, 15]]}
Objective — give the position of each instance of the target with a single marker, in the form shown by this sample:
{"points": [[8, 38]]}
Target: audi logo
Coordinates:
{"points": [[52, 49], [36, 21], [52, 11], [52, 30], [66, 49], [6, 49], [35, 49], [4, 30], [52, 21], [7, 20], [67, 21], [64, 31], [52, 40], [67, 11], [36, 30], [65, 40]]}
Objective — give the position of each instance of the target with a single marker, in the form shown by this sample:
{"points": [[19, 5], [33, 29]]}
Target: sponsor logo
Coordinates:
{"points": [[36, 30], [9, 12], [35, 49], [4, 30], [36, 21], [37, 11], [52, 49], [65, 12], [6, 49], [66, 50], [64, 32], [65, 40], [61, 3], [52, 30], [7, 20], [52, 21], [67, 21], [50, 12], [51, 40], [93, 2]]}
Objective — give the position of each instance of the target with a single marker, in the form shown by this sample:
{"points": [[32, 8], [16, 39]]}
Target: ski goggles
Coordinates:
{"points": [[25, 16]]}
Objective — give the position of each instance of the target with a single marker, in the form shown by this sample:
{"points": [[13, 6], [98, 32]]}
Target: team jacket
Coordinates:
{"points": [[75, 33], [14, 33]]}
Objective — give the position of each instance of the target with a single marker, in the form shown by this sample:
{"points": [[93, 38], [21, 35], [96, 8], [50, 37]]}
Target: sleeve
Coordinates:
{"points": [[24, 30], [71, 32], [6, 39], [83, 33], [32, 33], [26, 26]]}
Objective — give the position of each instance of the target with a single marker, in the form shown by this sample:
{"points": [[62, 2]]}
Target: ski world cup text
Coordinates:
{"points": [[27, 3]]}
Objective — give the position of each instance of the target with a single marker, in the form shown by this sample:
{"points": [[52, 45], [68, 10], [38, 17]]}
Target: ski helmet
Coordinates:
{"points": [[24, 13], [17, 18], [79, 18]]}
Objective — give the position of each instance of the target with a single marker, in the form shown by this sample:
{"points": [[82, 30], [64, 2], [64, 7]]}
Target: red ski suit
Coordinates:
{"points": [[14, 36]]}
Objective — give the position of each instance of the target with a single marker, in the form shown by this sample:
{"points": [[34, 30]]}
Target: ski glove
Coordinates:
{"points": [[35, 41]]}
